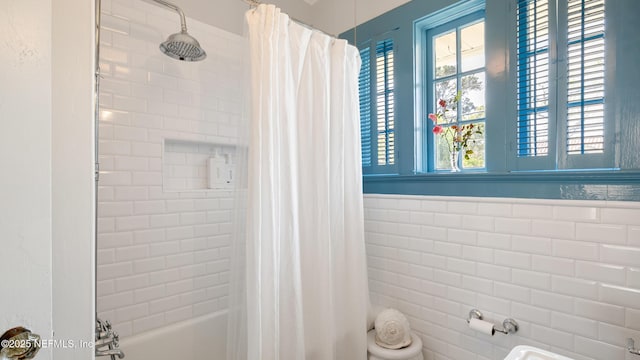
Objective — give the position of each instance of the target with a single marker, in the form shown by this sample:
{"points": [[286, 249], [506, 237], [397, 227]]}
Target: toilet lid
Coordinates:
{"points": [[389, 354]]}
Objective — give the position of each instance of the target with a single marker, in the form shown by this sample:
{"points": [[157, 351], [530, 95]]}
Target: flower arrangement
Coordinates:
{"points": [[458, 137]]}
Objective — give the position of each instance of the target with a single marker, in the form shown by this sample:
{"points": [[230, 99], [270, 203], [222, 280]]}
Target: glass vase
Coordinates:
{"points": [[455, 160]]}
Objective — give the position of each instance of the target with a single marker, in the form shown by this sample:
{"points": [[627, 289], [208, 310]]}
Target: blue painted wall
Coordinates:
{"points": [[620, 182]]}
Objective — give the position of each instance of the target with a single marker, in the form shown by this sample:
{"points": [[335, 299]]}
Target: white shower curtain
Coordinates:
{"points": [[305, 266]]}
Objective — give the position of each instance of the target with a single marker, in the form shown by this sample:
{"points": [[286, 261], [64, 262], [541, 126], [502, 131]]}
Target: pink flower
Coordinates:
{"points": [[433, 117], [438, 129], [442, 103]]}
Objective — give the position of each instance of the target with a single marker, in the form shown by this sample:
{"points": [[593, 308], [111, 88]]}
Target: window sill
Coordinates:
{"points": [[618, 185]]}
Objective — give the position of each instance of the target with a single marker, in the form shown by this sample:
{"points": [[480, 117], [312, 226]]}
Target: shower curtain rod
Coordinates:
{"points": [[255, 3]]}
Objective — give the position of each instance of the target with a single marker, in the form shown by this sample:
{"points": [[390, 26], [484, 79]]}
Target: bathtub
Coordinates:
{"points": [[202, 338]]}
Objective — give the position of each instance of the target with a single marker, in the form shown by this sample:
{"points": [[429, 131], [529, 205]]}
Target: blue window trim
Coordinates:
{"points": [[582, 185], [623, 101]]}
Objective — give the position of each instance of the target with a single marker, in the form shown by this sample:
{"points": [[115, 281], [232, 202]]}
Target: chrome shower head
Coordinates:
{"points": [[183, 46]]}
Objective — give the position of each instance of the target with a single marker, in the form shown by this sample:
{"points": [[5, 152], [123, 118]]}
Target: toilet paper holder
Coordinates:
{"points": [[508, 325]]}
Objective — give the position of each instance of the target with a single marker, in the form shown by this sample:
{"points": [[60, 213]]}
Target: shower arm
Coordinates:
{"points": [[183, 21]]}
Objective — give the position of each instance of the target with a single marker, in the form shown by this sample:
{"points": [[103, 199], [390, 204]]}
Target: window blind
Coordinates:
{"points": [[364, 86], [585, 76], [532, 51], [385, 114]]}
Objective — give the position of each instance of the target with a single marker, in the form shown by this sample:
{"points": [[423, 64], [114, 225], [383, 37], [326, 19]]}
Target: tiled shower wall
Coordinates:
{"points": [[567, 271], [163, 255]]}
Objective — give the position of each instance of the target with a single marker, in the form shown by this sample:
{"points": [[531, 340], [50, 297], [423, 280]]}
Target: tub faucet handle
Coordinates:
{"points": [[110, 352], [631, 347], [19, 343], [107, 340]]}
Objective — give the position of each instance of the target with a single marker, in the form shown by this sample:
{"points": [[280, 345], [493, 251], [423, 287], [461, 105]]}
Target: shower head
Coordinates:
{"points": [[181, 46]]}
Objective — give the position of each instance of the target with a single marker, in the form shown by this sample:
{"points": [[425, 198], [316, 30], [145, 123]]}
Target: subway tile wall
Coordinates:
{"points": [[163, 256], [567, 271]]}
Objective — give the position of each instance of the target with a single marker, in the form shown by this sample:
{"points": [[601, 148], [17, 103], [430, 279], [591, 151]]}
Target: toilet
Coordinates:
{"points": [[377, 352]]}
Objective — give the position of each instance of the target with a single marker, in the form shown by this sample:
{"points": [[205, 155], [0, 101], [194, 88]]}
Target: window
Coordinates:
{"points": [[557, 94], [560, 118], [457, 66], [377, 110]]}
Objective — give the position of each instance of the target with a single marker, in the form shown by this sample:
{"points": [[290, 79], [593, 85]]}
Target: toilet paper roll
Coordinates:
{"points": [[482, 326]]}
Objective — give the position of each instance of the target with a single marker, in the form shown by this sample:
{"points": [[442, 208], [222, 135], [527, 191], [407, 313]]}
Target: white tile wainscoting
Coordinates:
{"points": [[567, 271], [163, 255]]}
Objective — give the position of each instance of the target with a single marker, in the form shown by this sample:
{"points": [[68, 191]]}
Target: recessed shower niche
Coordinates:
{"points": [[191, 165]]}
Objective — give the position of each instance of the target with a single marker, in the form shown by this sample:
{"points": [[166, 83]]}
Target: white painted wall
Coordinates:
{"points": [[44, 214], [229, 14], [332, 16], [72, 156], [337, 16], [25, 160]]}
